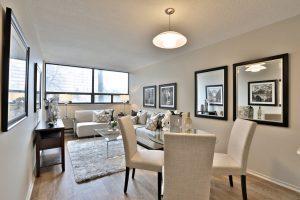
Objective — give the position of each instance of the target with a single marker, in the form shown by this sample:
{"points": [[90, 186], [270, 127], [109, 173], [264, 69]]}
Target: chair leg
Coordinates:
{"points": [[133, 173], [244, 188], [230, 181], [159, 180], [126, 179]]}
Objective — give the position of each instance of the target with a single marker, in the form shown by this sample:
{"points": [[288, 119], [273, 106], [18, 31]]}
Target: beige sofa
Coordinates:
{"points": [[84, 126]]}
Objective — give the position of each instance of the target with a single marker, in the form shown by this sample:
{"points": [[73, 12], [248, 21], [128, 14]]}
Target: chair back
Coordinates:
{"points": [[240, 140], [188, 165], [129, 138]]}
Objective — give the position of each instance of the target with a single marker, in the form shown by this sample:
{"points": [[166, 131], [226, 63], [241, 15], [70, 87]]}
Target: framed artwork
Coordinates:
{"points": [[262, 93], [168, 96], [149, 96], [37, 87], [214, 94], [15, 74]]}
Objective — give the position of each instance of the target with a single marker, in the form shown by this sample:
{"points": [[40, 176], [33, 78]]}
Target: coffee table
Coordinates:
{"points": [[109, 135]]}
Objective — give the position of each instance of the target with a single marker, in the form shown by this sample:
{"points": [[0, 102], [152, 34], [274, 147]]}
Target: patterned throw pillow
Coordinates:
{"points": [[142, 117], [101, 117], [152, 123], [134, 120], [160, 118]]}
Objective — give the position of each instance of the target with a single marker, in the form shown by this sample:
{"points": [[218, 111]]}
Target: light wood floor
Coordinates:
{"points": [[54, 185]]}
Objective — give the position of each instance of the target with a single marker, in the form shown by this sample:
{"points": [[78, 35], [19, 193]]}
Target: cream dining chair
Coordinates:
{"points": [[235, 161], [151, 160], [188, 166]]}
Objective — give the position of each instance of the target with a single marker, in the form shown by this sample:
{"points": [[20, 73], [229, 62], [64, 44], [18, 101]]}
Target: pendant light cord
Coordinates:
{"points": [[169, 22]]}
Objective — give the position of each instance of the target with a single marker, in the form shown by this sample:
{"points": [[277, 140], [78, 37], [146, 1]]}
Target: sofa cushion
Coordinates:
{"points": [[85, 129], [139, 130], [134, 119], [133, 113], [152, 123], [84, 115], [142, 117], [101, 117]]}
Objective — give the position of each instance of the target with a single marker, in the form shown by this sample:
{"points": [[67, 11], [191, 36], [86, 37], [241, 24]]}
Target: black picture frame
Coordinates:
{"points": [[170, 85], [225, 93], [11, 21], [260, 82], [285, 88], [144, 96], [206, 92], [37, 98]]}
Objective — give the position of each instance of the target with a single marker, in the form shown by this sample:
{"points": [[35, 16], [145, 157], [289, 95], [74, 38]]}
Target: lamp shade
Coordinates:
{"points": [[169, 40]]}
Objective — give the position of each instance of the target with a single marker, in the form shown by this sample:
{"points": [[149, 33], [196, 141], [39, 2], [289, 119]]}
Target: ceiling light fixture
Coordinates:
{"points": [[256, 67], [169, 39]]}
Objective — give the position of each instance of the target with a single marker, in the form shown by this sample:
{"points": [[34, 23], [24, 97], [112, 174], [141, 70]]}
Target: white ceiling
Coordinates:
{"points": [[117, 34]]}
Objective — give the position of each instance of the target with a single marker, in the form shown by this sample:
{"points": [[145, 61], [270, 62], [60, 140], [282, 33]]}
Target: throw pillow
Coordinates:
{"points": [[159, 123], [142, 117], [166, 120], [134, 119], [152, 123], [101, 117], [98, 112], [134, 113]]}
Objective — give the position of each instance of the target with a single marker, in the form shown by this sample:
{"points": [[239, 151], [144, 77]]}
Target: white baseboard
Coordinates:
{"points": [[274, 180], [30, 188]]}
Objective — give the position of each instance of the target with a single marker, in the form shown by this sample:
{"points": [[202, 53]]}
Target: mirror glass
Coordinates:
{"points": [[259, 90], [211, 93], [17, 77]]}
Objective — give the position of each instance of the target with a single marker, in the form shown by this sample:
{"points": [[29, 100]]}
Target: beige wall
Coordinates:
{"points": [[16, 146], [273, 150]]}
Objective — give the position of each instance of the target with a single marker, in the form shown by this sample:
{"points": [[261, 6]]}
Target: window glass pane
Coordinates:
{"points": [[61, 78], [111, 82], [102, 98], [120, 98], [73, 98]]}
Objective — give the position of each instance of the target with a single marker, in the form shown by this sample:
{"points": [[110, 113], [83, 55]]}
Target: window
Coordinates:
{"points": [[110, 82], [76, 84], [68, 79]]}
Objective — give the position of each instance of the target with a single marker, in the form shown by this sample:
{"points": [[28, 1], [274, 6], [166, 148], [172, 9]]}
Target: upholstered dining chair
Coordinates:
{"points": [[234, 162], [151, 160], [187, 166]]}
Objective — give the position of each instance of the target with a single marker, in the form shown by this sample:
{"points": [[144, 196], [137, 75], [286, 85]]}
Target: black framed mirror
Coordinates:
{"points": [[37, 87], [260, 89], [15, 73], [211, 93]]}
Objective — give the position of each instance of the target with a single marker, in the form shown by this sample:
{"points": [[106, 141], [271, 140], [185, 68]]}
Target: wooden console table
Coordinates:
{"points": [[47, 137]]}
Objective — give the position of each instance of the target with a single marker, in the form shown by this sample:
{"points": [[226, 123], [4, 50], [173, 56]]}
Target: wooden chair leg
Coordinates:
{"points": [[133, 173], [244, 188], [230, 181], [126, 179], [159, 180]]}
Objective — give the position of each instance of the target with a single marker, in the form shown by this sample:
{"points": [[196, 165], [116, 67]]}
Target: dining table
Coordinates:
{"points": [[158, 136]]}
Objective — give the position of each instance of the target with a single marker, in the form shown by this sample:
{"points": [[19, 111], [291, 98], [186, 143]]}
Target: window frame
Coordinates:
{"points": [[93, 93]]}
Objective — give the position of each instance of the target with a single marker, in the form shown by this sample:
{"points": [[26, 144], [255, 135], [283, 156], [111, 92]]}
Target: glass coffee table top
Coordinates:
{"points": [[109, 135]]}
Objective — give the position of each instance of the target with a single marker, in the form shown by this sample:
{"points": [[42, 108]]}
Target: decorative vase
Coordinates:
{"points": [[259, 113]]}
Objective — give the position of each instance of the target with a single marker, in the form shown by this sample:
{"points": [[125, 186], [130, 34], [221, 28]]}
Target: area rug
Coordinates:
{"points": [[89, 161]]}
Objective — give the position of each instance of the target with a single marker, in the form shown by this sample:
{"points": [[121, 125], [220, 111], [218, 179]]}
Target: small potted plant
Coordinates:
{"points": [[114, 124]]}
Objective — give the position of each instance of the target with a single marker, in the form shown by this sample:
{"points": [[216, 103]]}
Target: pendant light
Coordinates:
{"points": [[169, 39]]}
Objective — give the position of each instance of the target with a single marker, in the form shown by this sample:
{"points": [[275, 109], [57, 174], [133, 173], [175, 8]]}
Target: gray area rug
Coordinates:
{"points": [[89, 161]]}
